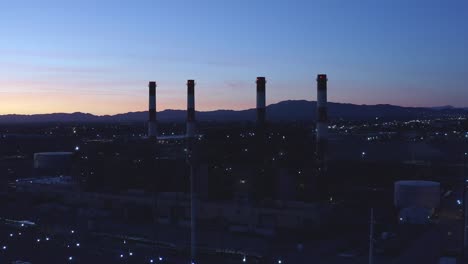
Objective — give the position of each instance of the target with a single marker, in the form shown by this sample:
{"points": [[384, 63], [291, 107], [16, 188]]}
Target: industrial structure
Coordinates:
{"points": [[52, 160], [322, 121], [261, 102], [152, 126], [190, 133], [416, 200], [191, 108], [52, 164], [273, 166]]}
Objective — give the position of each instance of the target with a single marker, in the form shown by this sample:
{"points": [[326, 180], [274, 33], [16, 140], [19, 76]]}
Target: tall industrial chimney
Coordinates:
{"points": [[190, 108], [261, 83], [322, 120], [152, 127], [192, 162]]}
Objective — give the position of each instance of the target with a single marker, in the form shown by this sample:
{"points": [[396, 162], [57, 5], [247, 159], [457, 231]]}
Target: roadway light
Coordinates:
{"points": [[70, 258]]}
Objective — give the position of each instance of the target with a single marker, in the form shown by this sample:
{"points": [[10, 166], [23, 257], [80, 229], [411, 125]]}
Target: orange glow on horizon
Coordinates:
{"points": [[35, 98]]}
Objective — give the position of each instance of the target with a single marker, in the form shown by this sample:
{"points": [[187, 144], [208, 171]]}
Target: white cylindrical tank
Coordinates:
{"points": [[53, 160], [417, 194]]}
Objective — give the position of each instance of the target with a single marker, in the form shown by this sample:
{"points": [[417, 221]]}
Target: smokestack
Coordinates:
{"points": [[192, 164], [152, 128], [261, 83], [190, 108], [322, 119]]}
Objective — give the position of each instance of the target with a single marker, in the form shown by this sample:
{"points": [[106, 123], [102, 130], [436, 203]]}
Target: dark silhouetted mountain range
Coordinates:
{"points": [[298, 110]]}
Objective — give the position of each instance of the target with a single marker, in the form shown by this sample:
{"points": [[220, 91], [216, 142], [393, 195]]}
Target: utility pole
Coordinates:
{"points": [[371, 237], [465, 204]]}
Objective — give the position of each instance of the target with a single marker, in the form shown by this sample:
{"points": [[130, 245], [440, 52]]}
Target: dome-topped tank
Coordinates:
{"points": [[423, 194], [53, 160]]}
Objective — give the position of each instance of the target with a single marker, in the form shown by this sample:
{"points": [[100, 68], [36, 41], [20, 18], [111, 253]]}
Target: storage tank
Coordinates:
{"points": [[416, 200], [53, 160]]}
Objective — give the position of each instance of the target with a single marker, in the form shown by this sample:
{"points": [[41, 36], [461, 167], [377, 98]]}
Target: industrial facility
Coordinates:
{"points": [[266, 190], [416, 201]]}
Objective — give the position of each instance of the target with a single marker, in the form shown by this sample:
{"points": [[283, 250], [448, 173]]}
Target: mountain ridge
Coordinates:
{"points": [[290, 110]]}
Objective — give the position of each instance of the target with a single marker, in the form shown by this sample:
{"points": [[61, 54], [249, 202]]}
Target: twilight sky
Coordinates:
{"points": [[98, 56]]}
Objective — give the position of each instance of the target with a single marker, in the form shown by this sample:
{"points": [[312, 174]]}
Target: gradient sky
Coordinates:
{"points": [[98, 56]]}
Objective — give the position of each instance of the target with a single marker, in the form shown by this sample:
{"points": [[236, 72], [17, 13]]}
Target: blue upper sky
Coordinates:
{"points": [[97, 56]]}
